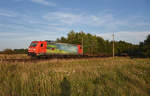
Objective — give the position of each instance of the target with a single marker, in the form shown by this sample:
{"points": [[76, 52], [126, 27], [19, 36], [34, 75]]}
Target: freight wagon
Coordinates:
{"points": [[49, 48]]}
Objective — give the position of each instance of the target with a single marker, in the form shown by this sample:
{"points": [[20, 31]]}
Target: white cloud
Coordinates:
{"points": [[66, 18], [7, 13], [82, 19], [44, 2], [129, 36], [108, 22]]}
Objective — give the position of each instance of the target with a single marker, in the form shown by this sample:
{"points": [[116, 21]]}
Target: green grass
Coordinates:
{"points": [[80, 77]]}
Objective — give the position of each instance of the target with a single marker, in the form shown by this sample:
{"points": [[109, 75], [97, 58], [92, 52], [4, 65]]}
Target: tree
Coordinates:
{"points": [[20, 51], [62, 40], [101, 45], [95, 45], [8, 51], [72, 37], [145, 47]]}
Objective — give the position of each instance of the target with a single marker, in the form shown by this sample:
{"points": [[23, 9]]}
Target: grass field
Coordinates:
{"points": [[14, 56], [80, 77]]}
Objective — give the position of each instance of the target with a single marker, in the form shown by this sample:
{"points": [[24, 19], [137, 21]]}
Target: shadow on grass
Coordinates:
{"points": [[65, 87]]}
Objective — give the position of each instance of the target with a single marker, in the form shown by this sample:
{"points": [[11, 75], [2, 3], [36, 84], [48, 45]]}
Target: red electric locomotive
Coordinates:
{"points": [[46, 48]]}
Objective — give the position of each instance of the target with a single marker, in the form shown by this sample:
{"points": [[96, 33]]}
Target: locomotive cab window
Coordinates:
{"points": [[33, 44], [41, 45]]}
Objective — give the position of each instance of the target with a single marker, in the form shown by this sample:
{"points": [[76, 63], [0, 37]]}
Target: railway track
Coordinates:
{"points": [[18, 60], [48, 58]]}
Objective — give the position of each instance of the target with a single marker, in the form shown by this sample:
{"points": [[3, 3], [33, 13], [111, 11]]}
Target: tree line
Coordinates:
{"points": [[96, 45], [14, 51]]}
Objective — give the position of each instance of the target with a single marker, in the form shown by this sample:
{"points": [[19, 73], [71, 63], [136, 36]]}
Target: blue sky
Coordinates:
{"points": [[22, 21]]}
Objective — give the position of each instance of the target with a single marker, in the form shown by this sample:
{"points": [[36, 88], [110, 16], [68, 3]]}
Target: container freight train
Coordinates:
{"points": [[49, 48]]}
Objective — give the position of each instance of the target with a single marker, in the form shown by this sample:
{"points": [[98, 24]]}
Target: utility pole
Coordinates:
{"points": [[113, 50]]}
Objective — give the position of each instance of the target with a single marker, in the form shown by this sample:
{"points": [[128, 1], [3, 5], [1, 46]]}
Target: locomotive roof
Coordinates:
{"points": [[61, 43], [66, 43], [54, 42]]}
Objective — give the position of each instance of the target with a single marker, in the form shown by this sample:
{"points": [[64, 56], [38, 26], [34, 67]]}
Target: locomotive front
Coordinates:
{"points": [[32, 48], [37, 48]]}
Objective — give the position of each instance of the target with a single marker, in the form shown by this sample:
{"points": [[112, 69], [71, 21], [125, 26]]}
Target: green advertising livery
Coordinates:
{"points": [[61, 48]]}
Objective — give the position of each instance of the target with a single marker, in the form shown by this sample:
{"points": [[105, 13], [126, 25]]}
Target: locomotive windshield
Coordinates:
{"points": [[33, 44]]}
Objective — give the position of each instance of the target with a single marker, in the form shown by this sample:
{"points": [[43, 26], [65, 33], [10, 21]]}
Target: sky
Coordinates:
{"points": [[23, 21]]}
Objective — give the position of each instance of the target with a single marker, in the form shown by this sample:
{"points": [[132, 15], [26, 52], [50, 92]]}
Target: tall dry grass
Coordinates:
{"points": [[14, 56], [80, 77]]}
